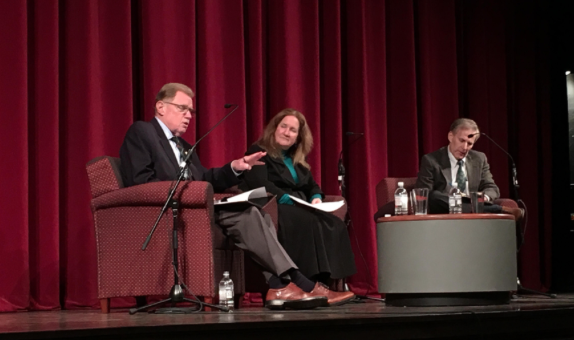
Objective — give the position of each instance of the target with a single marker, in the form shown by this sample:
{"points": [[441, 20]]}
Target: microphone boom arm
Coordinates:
{"points": [[188, 156], [514, 172]]}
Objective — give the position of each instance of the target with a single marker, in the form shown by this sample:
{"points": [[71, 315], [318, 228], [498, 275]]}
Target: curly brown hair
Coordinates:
{"points": [[302, 146]]}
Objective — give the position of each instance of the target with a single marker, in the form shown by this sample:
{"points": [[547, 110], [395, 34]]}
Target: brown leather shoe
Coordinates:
{"points": [[334, 298], [293, 297], [518, 213]]}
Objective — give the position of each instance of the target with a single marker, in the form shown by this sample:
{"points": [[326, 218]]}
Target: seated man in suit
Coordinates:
{"points": [[458, 163], [154, 151]]}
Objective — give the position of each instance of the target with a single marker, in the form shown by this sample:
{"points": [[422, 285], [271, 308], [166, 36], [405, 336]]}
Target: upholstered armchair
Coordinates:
{"points": [[123, 218]]}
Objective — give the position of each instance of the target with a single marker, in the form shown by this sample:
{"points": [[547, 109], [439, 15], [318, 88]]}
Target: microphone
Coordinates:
{"points": [[341, 177], [341, 167], [514, 175], [188, 155]]}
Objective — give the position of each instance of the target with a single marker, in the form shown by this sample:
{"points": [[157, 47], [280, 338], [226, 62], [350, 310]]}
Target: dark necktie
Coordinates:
{"points": [[186, 175], [461, 177]]}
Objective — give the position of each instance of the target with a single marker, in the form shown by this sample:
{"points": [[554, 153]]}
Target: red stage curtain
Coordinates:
{"points": [[76, 74]]}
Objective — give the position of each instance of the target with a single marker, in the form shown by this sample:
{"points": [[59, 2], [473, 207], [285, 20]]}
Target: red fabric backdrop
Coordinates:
{"points": [[76, 74]]}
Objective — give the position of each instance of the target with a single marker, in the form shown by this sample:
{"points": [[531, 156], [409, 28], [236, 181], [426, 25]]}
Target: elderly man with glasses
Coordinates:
{"points": [[154, 151]]}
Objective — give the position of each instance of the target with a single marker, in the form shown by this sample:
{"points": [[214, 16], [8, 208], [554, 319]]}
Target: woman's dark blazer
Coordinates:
{"points": [[277, 179]]}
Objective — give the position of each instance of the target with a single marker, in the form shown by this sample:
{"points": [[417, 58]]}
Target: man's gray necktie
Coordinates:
{"points": [[460, 176], [187, 174]]}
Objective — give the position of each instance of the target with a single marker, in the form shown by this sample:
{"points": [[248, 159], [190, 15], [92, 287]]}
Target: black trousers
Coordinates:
{"points": [[318, 242]]}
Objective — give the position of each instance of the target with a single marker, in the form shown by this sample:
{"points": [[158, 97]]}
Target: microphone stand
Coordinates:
{"points": [[515, 188], [348, 221], [341, 170], [341, 178], [176, 294]]}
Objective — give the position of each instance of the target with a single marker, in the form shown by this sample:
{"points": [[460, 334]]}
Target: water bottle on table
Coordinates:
{"points": [[226, 291], [401, 200], [455, 200]]}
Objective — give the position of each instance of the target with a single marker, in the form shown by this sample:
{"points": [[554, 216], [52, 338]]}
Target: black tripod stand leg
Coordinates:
{"points": [[364, 297], [222, 308], [532, 291], [135, 310]]}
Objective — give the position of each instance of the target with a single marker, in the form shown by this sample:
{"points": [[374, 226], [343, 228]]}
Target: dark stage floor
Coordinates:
{"points": [[524, 318]]}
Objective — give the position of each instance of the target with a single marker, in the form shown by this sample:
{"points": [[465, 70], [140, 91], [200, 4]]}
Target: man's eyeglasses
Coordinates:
{"points": [[182, 108]]}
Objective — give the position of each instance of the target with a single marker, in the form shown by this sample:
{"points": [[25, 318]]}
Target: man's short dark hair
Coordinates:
{"points": [[169, 91], [463, 123]]}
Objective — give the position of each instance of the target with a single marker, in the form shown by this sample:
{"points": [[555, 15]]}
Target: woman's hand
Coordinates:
{"points": [[316, 201], [247, 162]]}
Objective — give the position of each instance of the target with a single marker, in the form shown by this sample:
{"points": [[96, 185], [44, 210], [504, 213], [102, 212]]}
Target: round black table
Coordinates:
{"points": [[455, 259]]}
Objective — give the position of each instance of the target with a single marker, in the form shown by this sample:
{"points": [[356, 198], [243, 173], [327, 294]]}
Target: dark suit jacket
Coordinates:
{"points": [[277, 179], [435, 173], [146, 156]]}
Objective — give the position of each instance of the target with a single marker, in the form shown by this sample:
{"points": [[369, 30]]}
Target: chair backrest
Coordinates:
{"points": [[104, 175], [386, 188]]}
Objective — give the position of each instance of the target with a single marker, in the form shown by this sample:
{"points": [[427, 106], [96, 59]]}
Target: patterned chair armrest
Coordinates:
{"points": [[506, 202], [193, 194], [342, 211]]}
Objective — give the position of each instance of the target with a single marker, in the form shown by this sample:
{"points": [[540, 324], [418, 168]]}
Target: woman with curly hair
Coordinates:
{"points": [[318, 242]]}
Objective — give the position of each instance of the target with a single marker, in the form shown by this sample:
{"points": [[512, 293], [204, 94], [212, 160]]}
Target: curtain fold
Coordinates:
{"points": [[332, 127], [43, 147], [437, 71], [78, 73], [401, 84], [365, 106], [96, 110], [14, 230], [220, 80]]}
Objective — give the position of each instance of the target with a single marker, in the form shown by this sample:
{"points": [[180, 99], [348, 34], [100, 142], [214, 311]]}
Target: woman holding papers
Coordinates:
{"points": [[317, 241]]}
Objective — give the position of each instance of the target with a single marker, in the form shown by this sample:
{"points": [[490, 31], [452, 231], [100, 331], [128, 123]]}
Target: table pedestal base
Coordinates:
{"points": [[447, 299]]}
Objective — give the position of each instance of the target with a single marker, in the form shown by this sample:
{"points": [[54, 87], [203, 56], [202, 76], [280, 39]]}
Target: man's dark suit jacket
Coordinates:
{"points": [[277, 179], [435, 173], [146, 156]]}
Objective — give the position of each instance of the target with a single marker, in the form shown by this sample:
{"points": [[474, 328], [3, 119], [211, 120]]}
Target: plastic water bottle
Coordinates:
{"points": [[226, 291], [455, 200], [401, 200]]}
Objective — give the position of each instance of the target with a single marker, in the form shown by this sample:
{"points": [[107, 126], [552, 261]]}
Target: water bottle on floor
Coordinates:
{"points": [[401, 200], [455, 200], [226, 291]]}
